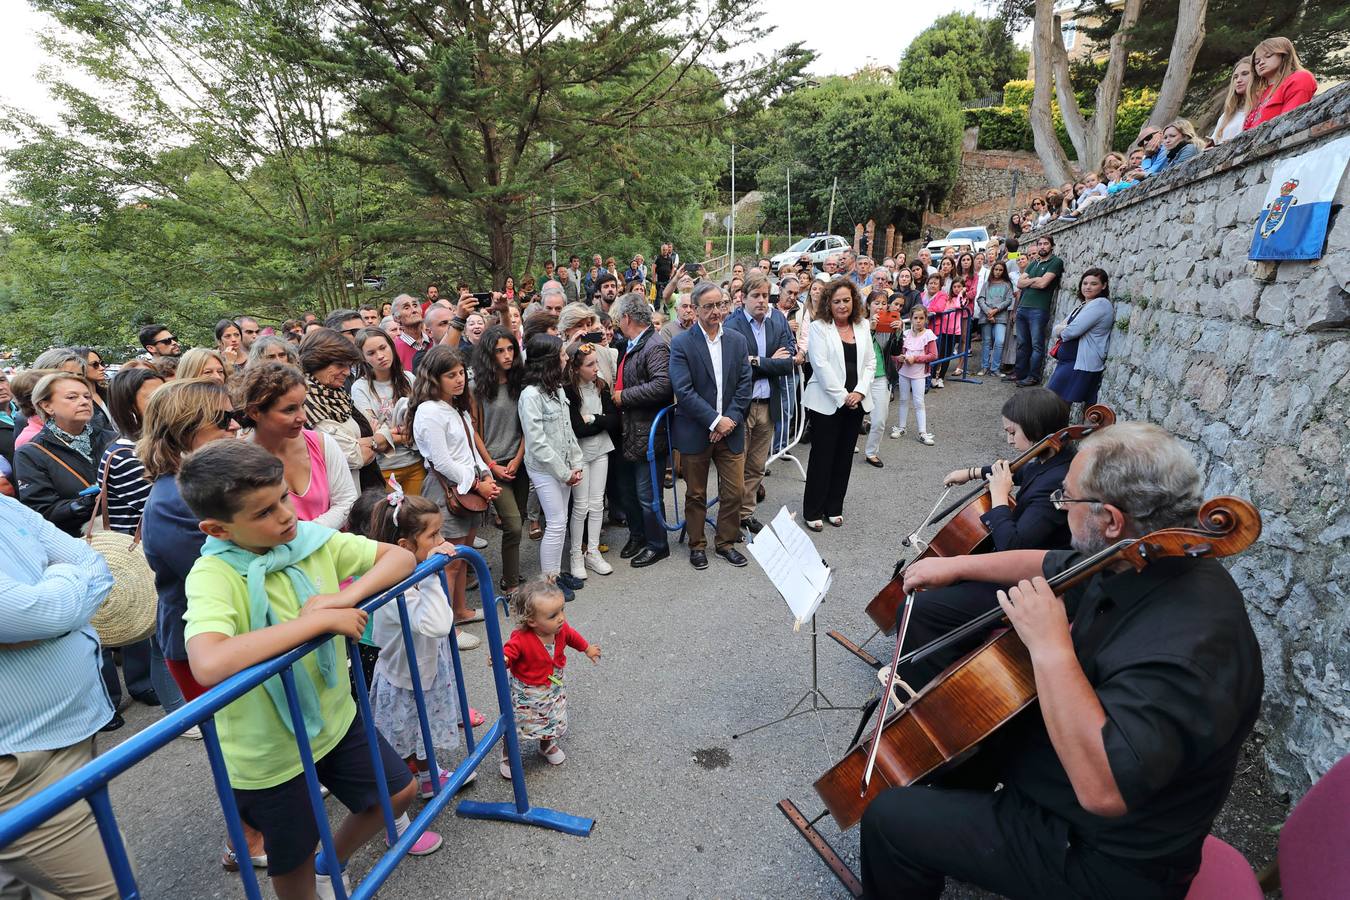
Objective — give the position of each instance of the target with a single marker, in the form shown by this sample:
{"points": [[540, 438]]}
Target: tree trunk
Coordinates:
{"points": [[1052, 155], [1074, 123], [1102, 130], [500, 244], [1190, 34]]}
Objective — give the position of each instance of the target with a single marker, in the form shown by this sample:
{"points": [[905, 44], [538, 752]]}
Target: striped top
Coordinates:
{"points": [[128, 487], [50, 585]]}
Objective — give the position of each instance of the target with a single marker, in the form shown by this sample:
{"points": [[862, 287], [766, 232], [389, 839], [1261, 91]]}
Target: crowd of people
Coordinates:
{"points": [[1267, 84], [288, 471]]}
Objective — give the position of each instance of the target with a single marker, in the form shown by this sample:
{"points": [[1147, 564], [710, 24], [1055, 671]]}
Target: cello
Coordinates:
{"points": [[981, 692], [966, 533]]}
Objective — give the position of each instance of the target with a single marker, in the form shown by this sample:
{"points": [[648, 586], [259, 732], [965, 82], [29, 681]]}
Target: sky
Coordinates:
{"points": [[846, 35]]}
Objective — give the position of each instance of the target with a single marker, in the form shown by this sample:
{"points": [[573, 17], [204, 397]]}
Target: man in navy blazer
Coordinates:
{"points": [[771, 349], [710, 372]]}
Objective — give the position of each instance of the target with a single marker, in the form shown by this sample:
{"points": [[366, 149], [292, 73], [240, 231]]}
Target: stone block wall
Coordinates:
{"points": [[984, 187], [1249, 363]]}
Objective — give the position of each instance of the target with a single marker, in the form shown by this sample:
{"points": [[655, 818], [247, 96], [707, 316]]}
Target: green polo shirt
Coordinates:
{"points": [[1041, 298]]}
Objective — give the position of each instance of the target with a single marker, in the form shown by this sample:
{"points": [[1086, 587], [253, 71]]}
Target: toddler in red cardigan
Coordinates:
{"points": [[535, 656]]}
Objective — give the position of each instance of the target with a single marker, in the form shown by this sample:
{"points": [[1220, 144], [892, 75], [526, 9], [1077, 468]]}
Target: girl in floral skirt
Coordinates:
{"points": [[535, 656], [414, 523]]}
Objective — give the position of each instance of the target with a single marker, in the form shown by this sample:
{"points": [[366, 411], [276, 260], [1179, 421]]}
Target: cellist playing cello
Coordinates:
{"points": [[1111, 783], [1035, 523]]}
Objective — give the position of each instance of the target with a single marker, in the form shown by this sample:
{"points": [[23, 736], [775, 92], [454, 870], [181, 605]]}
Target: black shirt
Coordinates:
{"points": [[850, 366], [1033, 523], [1172, 657]]}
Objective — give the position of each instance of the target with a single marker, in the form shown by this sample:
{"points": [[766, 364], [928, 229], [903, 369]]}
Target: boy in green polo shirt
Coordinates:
{"points": [[266, 583]]}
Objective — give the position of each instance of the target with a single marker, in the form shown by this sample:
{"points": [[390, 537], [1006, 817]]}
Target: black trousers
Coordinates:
{"points": [[833, 438], [914, 838], [936, 613]]}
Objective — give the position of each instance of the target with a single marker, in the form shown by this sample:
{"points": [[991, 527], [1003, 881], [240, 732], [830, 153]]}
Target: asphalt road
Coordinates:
{"points": [[690, 658]]}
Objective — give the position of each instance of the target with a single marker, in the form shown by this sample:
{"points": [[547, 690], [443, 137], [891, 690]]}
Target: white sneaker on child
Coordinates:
{"points": [[596, 563], [926, 439], [578, 566], [323, 886], [467, 641], [897, 432]]}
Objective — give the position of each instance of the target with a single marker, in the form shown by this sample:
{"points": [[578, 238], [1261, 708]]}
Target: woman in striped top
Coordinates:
{"points": [[127, 484]]}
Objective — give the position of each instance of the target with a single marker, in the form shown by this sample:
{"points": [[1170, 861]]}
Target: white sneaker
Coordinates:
{"points": [[897, 432], [323, 886], [937, 383], [578, 567], [926, 439], [467, 641], [193, 734], [479, 542], [596, 563]]}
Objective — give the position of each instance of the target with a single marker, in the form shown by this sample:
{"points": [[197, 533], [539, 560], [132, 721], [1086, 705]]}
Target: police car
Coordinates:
{"points": [[818, 246]]}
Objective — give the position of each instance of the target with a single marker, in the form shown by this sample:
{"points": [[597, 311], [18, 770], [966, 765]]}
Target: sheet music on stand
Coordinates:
{"points": [[791, 561]]}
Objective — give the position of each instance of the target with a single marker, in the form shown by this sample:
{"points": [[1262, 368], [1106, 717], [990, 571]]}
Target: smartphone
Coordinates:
{"points": [[692, 269], [483, 297], [886, 321]]}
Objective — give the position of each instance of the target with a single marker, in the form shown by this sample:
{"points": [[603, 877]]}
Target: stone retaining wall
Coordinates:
{"points": [[1249, 363]]}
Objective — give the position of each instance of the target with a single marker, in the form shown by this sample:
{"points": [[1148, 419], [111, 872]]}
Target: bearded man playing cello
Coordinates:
{"points": [[1110, 784]]}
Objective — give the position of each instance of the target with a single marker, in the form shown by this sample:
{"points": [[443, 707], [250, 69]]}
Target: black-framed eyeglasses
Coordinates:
{"points": [[352, 332], [1058, 498], [224, 417]]}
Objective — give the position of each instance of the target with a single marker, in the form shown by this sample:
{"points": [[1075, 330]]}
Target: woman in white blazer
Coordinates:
{"points": [[842, 365]]}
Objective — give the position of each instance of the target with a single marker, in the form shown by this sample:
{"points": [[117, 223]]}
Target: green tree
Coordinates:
{"points": [[893, 152], [973, 57], [501, 117]]}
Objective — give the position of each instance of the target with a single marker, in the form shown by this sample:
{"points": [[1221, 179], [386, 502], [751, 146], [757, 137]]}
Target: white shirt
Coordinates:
{"points": [[715, 351], [442, 437]]}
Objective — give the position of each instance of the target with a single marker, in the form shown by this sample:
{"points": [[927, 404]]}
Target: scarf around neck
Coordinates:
{"points": [[324, 402], [82, 443], [255, 569]]}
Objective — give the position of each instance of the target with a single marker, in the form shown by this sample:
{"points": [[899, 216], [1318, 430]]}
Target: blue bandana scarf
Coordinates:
{"points": [[255, 569]]}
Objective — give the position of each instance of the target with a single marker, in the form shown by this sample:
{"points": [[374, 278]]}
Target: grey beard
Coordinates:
{"points": [[1094, 541]]}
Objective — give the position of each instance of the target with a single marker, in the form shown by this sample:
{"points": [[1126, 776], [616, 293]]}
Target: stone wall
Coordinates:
{"points": [[1249, 363], [984, 188]]}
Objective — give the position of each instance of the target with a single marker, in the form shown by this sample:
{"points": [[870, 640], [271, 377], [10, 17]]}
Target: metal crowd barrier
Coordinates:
{"points": [[787, 432], [962, 348], [91, 781]]}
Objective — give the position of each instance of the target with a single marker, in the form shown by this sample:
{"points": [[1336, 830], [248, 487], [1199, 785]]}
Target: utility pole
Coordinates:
{"points": [[789, 201], [731, 252], [552, 216], [829, 228]]}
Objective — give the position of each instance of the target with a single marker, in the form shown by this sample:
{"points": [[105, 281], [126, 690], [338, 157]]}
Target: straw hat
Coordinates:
{"points": [[129, 613]]}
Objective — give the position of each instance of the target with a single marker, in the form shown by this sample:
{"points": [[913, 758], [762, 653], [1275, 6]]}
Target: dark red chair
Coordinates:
{"points": [[1314, 850], [1224, 875]]}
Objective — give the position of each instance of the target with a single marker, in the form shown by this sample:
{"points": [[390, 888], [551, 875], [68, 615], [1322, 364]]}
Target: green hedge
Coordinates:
{"points": [[1008, 127]]}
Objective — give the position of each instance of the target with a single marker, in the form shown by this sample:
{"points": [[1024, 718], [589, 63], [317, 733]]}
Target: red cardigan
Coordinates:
{"points": [[1296, 89], [529, 661]]}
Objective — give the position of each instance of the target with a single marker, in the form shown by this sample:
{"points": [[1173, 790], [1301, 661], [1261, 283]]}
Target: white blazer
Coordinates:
{"points": [[825, 392]]}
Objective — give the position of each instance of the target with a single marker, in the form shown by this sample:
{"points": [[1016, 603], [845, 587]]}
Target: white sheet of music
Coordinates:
{"points": [[798, 545], [795, 570]]}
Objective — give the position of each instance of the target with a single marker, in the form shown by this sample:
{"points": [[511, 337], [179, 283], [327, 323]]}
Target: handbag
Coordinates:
{"points": [[461, 505], [131, 610], [1059, 342]]}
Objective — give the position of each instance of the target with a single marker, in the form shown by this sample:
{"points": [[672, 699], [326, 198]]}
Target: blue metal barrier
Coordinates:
{"points": [[91, 781], [962, 346], [658, 476]]}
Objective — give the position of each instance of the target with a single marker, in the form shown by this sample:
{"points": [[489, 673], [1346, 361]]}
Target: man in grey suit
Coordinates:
{"points": [[710, 372], [771, 349]]}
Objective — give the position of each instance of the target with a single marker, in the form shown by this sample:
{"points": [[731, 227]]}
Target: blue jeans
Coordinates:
{"points": [[991, 353], [636, 488], [1030, 342]]}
